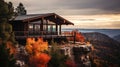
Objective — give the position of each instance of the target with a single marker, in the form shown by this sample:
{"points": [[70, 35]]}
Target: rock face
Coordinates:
{"points": [[117, 38], [106, 50], [81, 55]]}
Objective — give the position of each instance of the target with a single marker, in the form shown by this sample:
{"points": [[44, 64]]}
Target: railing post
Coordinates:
{"points": [[74, 37], [60, 30]]}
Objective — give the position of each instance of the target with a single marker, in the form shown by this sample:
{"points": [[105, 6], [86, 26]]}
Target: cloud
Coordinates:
{"points": [[99, 13], [71, 6]]}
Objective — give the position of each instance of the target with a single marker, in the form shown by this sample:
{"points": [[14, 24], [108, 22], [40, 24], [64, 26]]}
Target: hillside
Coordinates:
{"points": [[117, 38], [106, 50]]}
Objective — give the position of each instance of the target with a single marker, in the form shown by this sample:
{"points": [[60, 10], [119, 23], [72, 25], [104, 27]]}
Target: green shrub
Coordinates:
{"points": [[57, 59]]}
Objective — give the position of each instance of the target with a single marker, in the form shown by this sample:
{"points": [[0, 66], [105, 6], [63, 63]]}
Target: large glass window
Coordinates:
{"points": [[54, 28], [50, 27], [37, 27], [31, 27], [44, 28]]}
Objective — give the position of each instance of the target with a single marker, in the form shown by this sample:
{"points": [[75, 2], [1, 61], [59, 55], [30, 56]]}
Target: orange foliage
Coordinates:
{"points": [[70, 63], [11, 47], [39, 60], [35, 49], [78, 36], [36, 46], [30, 40]]}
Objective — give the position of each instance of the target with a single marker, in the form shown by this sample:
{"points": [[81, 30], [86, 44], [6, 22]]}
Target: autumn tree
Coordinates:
{"points": [[6, 59], [6, 13], [20, 10], [6, 34]]}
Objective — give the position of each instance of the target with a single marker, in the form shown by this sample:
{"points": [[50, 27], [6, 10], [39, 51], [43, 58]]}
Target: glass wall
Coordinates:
{"points": [[30, 27], [48, 27], [37, 27]]}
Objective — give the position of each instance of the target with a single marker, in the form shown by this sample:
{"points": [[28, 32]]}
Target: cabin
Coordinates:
{"points": [[38, 25]]}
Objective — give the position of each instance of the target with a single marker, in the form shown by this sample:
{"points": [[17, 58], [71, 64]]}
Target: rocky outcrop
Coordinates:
{"points": [[106, 50], [81, 55]]}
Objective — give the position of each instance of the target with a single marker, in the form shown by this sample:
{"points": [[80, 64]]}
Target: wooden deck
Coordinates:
{"points": [[43, 36], [26, 34], [21, 36]]}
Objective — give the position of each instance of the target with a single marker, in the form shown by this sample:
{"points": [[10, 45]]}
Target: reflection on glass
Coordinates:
{"points": [[37, 27], [31, 27]]}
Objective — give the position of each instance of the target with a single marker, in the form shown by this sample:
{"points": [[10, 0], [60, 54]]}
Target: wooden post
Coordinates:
{"points": [[46, 26], [74, 36], [41, 26], [25, 29], [56, 29], [60, 30], [33, 31]]}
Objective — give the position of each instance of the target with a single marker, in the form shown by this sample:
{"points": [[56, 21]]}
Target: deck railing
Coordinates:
{"points": [[66, 33], [25, 33], [30, 33], [44, 34]]}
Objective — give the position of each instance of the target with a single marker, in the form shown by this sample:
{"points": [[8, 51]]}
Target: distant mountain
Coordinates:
{"points": [[117, 38], [106, 51]]}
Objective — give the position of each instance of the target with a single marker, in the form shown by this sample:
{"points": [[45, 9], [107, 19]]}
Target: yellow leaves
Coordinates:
{"points": [[36, 49], [28, 48], [30, 40], [33, 46]]}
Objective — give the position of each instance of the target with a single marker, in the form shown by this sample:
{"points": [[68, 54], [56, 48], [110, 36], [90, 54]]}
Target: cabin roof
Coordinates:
{"points": [[36, 17]]}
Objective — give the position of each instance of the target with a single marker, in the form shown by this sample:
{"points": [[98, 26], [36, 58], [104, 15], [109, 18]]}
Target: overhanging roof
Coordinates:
{"points": [[49, 16]]}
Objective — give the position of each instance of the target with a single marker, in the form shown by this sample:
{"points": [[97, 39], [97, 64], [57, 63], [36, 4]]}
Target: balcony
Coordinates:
{"points": [[44, 34]]}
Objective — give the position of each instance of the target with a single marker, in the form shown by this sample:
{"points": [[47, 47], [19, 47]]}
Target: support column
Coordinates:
{"points": [[26, 29], [60, 30], [56, 29], [47, 27], [33, 31], [41, 26], [74, 37]]}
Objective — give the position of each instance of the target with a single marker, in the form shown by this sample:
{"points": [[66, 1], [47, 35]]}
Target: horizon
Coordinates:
{"points": [[90, 28], [92, 14]]}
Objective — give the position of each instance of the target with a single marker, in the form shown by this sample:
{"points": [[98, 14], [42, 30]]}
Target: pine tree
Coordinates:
{"points": [[20, 10], [3, 10], [6, 10], [6, 13], [6, 34], [11, 10]]}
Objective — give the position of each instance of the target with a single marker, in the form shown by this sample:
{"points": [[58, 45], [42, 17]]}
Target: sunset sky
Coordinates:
{"points": [[100, 14]]}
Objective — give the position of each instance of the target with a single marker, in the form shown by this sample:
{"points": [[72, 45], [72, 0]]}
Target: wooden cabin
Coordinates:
{"points": [[38, 25]]}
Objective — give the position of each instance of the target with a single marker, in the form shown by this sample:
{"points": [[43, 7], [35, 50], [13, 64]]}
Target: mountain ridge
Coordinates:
{"points": [[117, 38], [106, 50]]}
